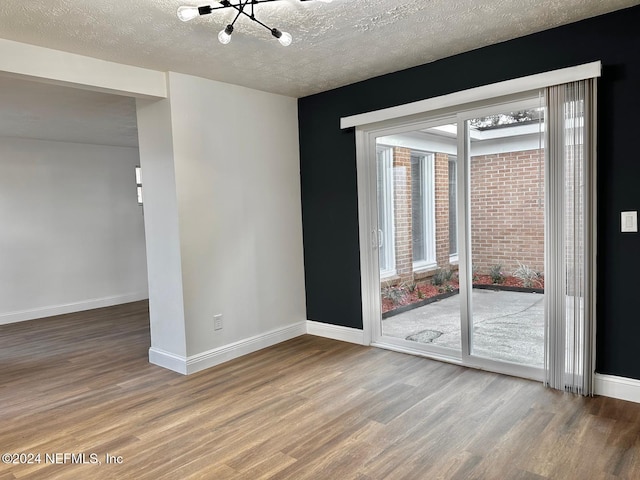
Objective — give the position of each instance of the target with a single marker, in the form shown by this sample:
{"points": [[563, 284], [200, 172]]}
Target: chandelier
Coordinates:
{"points": [[243, 7]]}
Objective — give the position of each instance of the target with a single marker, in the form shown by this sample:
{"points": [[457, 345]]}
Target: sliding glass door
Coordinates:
{"points": [[460, 235], [505, 165], [473, 249], [417, 242]]}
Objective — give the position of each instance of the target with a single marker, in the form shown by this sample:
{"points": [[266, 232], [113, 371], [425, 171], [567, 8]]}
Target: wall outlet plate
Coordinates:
{"points": [[217, 322], [629, 222]]}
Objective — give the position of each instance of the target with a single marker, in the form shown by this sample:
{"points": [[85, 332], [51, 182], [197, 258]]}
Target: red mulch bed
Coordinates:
{"points": [[430, 291], [427, 290], [508, 281]]}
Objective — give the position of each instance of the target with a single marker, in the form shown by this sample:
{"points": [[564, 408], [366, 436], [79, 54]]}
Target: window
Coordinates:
{"points": [[422, 210], [453, 208], [385, 211], [139, 184]]}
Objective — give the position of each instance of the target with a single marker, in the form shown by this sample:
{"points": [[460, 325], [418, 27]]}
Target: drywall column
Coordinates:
{"points": [[237, 170], [222, 220], [164, 269]]}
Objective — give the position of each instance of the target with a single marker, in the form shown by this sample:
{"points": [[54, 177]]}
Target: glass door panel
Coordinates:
{"points": [[417, 239], [507, 225]]}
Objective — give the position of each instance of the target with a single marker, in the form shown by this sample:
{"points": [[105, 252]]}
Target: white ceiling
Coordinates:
{"points": [[334, 44]]}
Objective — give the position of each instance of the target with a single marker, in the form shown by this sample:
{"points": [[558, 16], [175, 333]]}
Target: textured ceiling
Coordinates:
{"points": [[334, 43]]}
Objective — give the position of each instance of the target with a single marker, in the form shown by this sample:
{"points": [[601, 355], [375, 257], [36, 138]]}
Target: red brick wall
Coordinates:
{"points": [[442, 209], [507, 210], [402, 212]]}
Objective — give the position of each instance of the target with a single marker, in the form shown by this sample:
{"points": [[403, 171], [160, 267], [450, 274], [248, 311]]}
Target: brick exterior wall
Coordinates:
{"points": [[507, 210], [402, 212], [442, 209], [402, 215]]}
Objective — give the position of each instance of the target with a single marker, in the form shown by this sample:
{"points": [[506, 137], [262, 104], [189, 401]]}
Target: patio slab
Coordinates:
{"points": [[507, 325]]}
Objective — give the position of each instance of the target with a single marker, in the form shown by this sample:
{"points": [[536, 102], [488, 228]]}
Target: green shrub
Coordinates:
{"points": [[496, 274], [442, 276], [529, 277], [394, 293], [474, 272]]}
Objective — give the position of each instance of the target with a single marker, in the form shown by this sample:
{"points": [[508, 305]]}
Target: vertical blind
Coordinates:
{"points": [[570, 236]]}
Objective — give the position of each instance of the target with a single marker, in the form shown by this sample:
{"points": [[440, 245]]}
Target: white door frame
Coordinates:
{"points": [[368, 230]]}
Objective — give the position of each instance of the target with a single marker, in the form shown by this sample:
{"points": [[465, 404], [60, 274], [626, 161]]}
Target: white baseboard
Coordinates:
{"points": [[617, 387], [335, 332], [168, 360], [50, 311], [216, 356]]}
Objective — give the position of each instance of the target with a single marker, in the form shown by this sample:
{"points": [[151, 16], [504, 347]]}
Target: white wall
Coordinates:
{"points": [[237, 184], [166, 303], [71, 232]]}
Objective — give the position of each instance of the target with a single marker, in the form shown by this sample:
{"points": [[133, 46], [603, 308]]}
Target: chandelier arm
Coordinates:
{"points": [[240, 8], [258, 21], [228, 4], [186, 13]]}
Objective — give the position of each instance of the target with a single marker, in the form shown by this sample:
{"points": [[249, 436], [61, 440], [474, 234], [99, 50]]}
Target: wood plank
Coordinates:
{"points": [[309, 408]]}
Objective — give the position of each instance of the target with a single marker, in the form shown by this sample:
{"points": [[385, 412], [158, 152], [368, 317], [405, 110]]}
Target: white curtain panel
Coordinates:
{"points": [[570, 236]]}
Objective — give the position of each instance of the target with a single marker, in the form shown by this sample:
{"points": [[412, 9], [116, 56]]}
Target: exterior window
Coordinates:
{"points": [[139, 184], [423, 210], [385, 212], [453, 207]]}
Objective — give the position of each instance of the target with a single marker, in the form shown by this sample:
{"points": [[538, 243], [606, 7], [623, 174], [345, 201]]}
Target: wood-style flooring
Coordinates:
{"points": [[309, 408]]}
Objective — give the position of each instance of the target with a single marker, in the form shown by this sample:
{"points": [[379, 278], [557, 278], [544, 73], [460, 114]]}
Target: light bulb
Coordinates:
{"points": [[187, 13], [285, 39], [225, 35]]}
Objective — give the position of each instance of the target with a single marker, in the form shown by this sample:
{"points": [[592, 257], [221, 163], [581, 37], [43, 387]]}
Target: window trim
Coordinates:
{"points": [[429, 207], [484, 94], [387, 239], [453, 159]]}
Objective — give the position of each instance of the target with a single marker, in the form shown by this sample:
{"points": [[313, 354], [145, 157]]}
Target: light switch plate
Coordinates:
{"points": [[629, 222]]}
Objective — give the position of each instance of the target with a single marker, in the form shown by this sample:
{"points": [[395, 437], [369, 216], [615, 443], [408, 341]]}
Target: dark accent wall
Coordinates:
{"points": [[328, 167]]}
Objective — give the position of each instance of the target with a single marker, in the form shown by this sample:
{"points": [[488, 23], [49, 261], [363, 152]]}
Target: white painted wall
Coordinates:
{"points": [[62, 68], [238, 185], [166, 303], [71, 232]]}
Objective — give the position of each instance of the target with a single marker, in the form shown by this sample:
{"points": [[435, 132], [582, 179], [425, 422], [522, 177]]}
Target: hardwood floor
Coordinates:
{"points": [[309, 408]]}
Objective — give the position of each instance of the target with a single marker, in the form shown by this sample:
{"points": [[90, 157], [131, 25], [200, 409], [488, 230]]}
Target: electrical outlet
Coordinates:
{"points": [[217, 322]]}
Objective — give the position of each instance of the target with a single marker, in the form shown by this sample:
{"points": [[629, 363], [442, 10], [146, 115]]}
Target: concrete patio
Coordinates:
{"points": [[507, 325]]}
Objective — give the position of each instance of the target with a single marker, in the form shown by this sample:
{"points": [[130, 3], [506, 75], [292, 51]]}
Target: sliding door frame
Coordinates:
{"points": [[528, 100], [406, 117], [368, 227], [366, 147]]}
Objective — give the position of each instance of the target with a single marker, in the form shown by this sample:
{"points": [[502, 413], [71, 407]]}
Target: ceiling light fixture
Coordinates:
{"points": [[243, 7]]}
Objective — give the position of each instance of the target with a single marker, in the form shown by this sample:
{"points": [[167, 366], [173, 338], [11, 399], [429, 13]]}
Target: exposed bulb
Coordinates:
{"points": [[285, 39], [225, 35], [187, 13]]}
